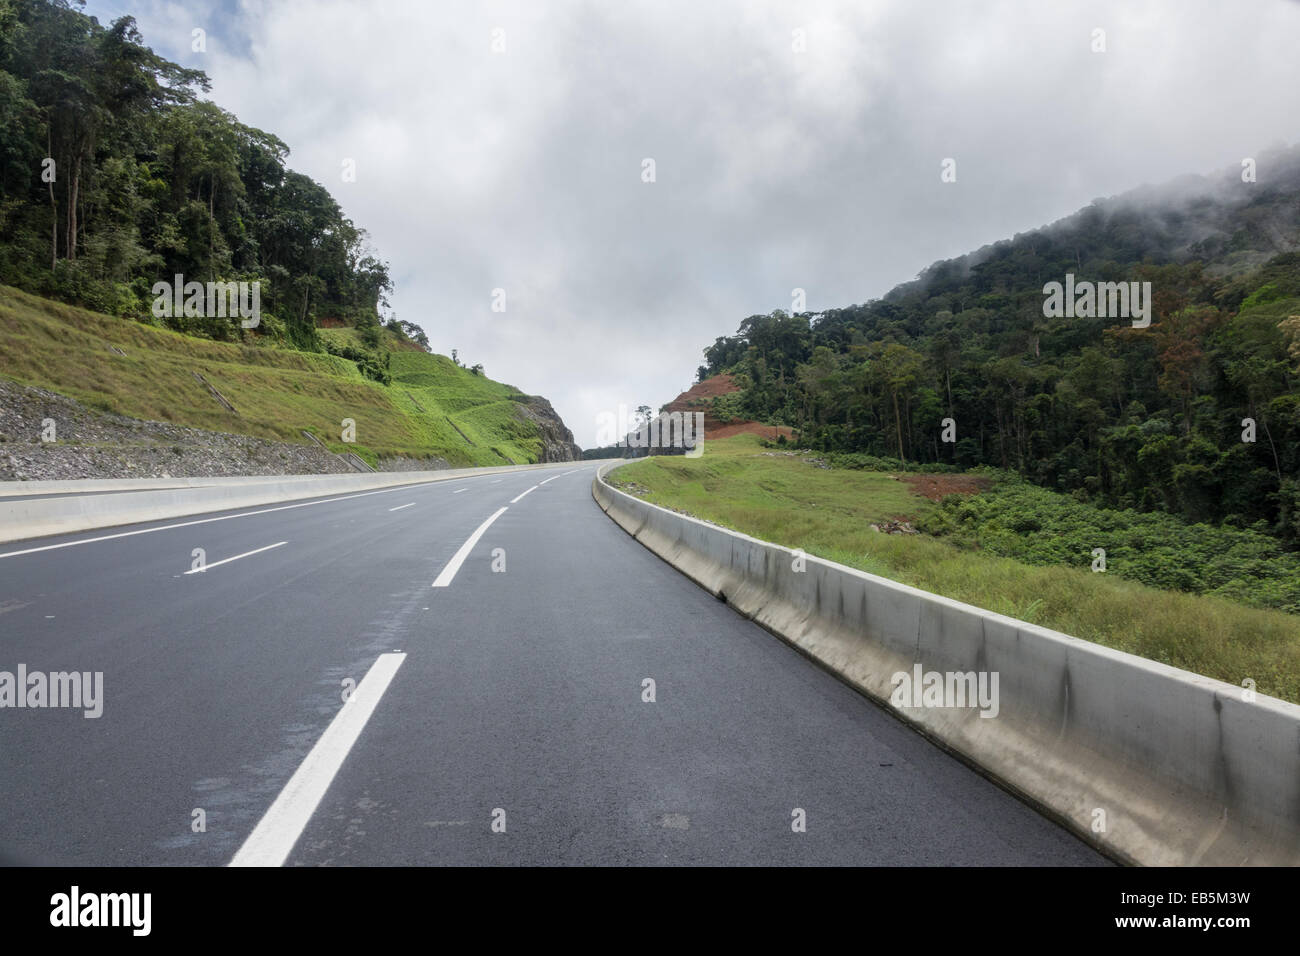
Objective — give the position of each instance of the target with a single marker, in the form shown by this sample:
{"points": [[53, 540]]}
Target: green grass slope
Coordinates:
{"points": [[432, 408], [739, 484]]}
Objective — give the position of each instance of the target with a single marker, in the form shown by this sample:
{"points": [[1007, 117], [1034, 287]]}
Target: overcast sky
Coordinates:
{"points": [[775, 168]]}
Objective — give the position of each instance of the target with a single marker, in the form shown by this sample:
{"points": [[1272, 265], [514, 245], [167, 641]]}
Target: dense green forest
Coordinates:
{"points": [[1143, 418], [115, 174]]}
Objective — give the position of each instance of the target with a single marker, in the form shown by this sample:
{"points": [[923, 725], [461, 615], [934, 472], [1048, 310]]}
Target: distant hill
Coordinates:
{"points": [[1149, 418]]}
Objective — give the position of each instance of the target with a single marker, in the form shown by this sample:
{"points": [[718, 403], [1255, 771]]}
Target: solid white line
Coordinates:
{"points": [[517, 497], [274, 837], [186, 524], [459, 490], [217, 564], [400, 507], [551, 479], [457, 559], [497, 482], [242, 514]]}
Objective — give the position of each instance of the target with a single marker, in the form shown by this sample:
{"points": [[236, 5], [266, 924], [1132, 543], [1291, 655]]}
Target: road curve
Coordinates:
{"points": [[498, 718]]}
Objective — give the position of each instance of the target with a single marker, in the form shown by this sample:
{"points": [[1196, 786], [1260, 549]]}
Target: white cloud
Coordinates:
{"points": [[776, 169]]}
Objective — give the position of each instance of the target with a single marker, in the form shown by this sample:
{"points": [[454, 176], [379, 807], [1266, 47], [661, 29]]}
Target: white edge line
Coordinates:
{"points": [[241, 514], [400, 507], [187, 524], [517, 497], [217, 564], [457, 559], [275, 835]]}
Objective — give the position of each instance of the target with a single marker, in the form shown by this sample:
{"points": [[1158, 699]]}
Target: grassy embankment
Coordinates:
{"points": [[828, 513], [277, 392]]}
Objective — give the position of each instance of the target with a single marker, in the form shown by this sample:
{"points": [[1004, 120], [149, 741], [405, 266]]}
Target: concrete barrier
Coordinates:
{"points": [[102, 505], [1151, 764], [92, 486]]}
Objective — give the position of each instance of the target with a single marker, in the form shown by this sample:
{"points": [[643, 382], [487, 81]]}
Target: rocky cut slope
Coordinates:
{"points": [[45, 436], [557, 439]]}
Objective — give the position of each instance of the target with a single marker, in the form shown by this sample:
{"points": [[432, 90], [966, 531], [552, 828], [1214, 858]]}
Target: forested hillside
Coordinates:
{"points": [[115, 175], [1148, 418]]}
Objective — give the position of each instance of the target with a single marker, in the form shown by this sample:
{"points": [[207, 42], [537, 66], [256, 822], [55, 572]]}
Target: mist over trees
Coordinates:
{"points": [[1148, 418], [115, 175]]}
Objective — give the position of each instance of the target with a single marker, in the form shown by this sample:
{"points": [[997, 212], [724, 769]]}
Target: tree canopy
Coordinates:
{"points": [[116, 174], [1150, 418]]}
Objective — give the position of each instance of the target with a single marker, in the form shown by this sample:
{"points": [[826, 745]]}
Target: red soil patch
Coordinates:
{"points": [[695, 399], [935, 487], [709, 388], [331, 323], [747, 428]]}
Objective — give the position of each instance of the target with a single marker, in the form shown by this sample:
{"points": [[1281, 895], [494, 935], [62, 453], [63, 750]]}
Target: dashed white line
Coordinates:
{"points": [[400, 507], [275, 835], [444, 579], [496, 481], [552, 479], [517, 497], [217, 564], [459, 490]]}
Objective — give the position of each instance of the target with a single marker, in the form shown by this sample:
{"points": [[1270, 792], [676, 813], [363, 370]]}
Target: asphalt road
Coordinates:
{"points": [[498, 718]]}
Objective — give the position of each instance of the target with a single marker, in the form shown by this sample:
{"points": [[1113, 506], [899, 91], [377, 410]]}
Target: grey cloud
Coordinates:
{"points": [[775, 169]]}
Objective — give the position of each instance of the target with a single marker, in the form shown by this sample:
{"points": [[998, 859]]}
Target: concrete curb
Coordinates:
{"points": [[1151, 764], [112, 505]]}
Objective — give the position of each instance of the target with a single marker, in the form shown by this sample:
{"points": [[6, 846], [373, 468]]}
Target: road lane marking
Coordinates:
{"points": [[217, 564], [459, 490], [242, 514], [497, 482], [400, 507], [551, 479], [457, 559], [280, 827], [187, 524], [517, 497]]}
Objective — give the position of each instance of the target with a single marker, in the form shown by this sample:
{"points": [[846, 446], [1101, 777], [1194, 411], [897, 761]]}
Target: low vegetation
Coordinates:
{"points": [[1016, 550]]}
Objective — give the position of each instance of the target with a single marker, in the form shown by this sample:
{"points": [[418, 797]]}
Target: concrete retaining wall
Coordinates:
{"points": [[1151, 764], [108, 503]]}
